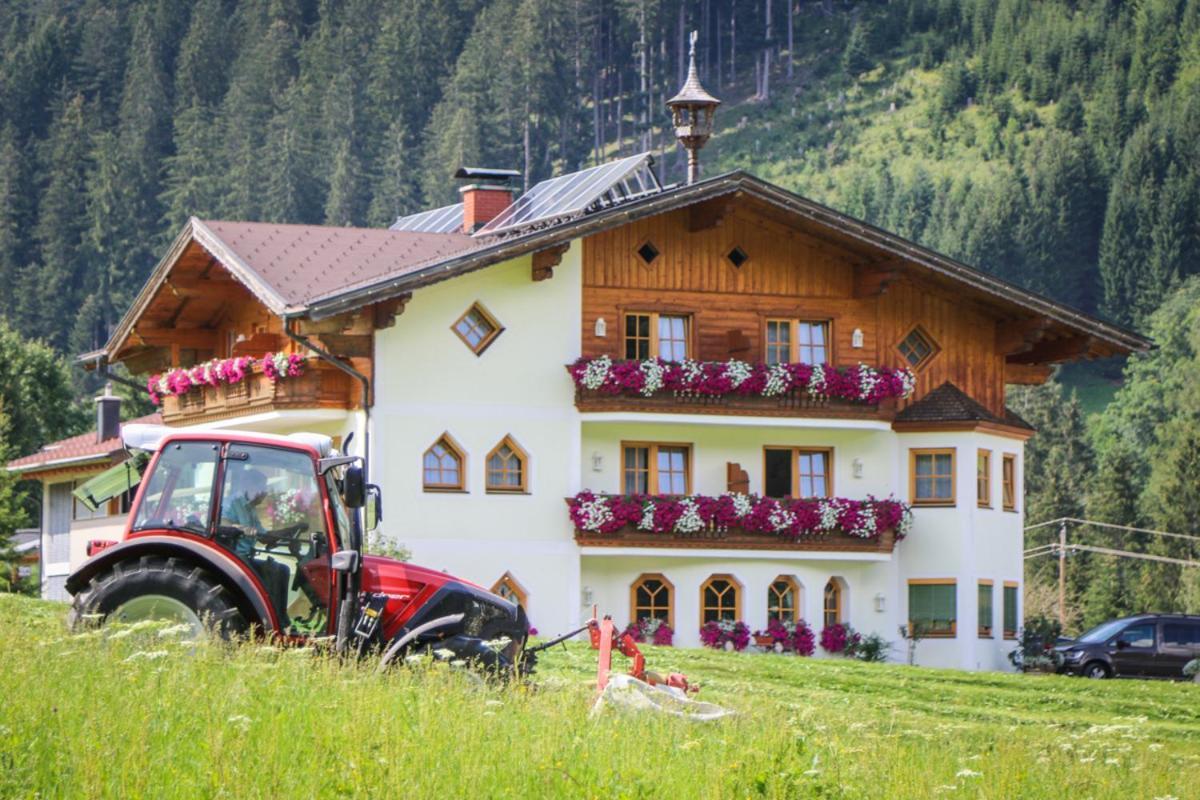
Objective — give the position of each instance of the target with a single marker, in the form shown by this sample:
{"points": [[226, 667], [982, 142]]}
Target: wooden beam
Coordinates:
{"points": [[711, 214], [1020, 335], [190, 338], [347, 346], [386, 311], [872, 281], [1055, 351], [1027, 374], [544, 261]]}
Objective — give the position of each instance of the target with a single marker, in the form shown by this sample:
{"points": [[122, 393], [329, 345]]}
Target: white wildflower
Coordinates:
{"points": [[1113, 762], [1155, 746], [738, 372], [596, 372], [498, 644], [147, 655], [444, 652], [968, 773], [175, 630], [653, 371], [240, 721]]}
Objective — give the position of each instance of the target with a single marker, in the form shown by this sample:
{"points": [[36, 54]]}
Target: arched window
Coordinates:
{"points": [[720, 599], [783, 599], [512, 591], [833, 602], [507, 469], [444, 466], [652, 596]]}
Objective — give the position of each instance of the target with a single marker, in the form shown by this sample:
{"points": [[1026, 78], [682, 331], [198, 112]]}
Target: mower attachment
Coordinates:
{"points": [[605, 638]]}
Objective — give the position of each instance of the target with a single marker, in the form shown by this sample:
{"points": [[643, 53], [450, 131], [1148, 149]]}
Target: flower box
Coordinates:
{"points": [[319, 385]]}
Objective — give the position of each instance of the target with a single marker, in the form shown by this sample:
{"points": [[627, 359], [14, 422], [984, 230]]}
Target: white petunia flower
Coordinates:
{"points": [[777, 380], [596, 372], [689, 521], [738, 372], [653, 371]]}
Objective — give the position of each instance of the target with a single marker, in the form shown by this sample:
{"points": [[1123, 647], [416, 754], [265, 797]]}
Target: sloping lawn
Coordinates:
{"points": [[126, 714]]}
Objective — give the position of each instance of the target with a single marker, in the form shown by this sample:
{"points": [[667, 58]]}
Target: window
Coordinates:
{"points": [[917, 348], [1140, 635], [179, 492], [933, 604], [797, 472], [512, 591], [651, 335], [932, 477], [1010, 610], [1009, 478], [652, 597], [444, 466], [737, 256], [80, 512], [477, 328], [720, 599], [985, 609], [983, 478], [783, 596], [656, 468], [647, 252], [833, 602], [1181, 634], [506, 471], [792, 340]]}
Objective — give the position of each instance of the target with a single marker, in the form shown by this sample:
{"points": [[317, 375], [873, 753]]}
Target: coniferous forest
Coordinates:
{"points": [[1054, 143]]}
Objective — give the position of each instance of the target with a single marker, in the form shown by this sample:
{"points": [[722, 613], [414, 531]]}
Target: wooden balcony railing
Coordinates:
{"points": [[793, 404], [735, 539], [319, 386]]}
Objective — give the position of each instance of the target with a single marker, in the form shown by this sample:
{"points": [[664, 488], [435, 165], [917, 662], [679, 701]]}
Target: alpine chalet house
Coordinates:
{"points": [[715, 401]]}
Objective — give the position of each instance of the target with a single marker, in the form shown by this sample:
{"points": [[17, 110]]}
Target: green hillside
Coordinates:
{"points": [[146, 715]]}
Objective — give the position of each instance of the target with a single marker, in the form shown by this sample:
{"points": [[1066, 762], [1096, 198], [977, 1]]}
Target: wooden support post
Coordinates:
{"points": [[1062, 574]]}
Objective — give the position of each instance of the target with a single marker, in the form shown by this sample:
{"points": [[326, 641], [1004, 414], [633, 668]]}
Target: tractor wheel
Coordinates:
{"points": [[158, 588]]}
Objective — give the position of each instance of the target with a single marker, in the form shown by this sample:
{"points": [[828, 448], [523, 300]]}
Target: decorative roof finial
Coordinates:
{"points": [[692, 113]]}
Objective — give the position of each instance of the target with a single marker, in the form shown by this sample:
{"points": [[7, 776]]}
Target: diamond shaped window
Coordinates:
{"points": [[917, 348], [477, 328], [647, 253], [737, 256]]}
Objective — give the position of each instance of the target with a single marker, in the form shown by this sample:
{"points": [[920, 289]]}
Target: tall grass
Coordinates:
{"points": [[125, 714]]}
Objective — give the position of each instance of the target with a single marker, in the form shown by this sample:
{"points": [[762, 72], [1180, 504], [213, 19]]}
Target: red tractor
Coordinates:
{"points": [[255, 533]]}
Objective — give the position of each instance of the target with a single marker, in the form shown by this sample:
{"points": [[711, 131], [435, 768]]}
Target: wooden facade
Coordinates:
{"points": [[789, 274]]}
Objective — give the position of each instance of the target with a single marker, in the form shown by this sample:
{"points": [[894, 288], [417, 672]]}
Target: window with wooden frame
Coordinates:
{"points": [[511, 590], [444, 466], [1010, 609], [477, 328], [720, 599], [796, 340], [507, 468], [933, 606], [1009, 481], [797, 471], [649, 334], [832, 606], [650, 468], [931, 476], [783, 599], [983, 478], [918, 348], [652, 596], [986, 610]]}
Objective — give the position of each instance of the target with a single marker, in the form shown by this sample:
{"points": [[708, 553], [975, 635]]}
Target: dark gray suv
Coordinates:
{"points": [[1144, 646]]}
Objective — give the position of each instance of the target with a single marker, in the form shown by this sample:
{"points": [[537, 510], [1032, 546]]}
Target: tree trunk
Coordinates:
{"points": [[791, 42], [733, 43], [526, 146]]}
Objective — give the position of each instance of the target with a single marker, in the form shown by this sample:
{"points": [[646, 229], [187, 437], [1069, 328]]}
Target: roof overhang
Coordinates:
{"points": [[738, 184]]}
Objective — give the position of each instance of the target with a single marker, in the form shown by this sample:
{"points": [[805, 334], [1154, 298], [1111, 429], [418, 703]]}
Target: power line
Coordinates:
{"points": [[1127, 528]]}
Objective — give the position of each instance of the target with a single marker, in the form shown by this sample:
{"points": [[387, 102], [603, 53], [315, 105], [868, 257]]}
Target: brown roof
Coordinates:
{"points": [[79, 449], [948, 403], [303, 262]]}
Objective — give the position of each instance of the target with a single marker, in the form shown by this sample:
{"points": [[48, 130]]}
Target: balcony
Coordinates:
{"points": [[739, 522], [603, 385], [318, 386]]}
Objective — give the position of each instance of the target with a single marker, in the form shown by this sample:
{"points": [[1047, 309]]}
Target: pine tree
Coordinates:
{"points": [[394, 189], [856, 57], [195, 176], [291, 192], [16, 215], [202, 68]]}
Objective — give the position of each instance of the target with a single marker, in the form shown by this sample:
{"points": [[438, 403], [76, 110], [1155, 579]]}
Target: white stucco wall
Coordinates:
{"points": [[428, 382]]}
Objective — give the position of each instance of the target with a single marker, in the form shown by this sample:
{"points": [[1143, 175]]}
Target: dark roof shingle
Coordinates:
{"points": [[948, 403]]}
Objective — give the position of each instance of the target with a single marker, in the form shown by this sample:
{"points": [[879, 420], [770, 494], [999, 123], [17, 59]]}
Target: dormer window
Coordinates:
{"points": [[477, 328], [917, 348]]}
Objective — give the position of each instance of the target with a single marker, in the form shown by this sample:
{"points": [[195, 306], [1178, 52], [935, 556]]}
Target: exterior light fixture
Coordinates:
{"points": [[601, 328], [880, 602], [856, 339], [597, 462], [856, 467]]}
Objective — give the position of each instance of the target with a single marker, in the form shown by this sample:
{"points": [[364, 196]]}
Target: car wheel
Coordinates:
{"points": [[1096, 670]]}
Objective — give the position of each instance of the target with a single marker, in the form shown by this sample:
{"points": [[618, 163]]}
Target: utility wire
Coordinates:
{"points": [[1127, 528]]}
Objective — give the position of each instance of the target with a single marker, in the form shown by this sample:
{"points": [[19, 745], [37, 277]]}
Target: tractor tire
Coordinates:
{"points": [[158, 587]]}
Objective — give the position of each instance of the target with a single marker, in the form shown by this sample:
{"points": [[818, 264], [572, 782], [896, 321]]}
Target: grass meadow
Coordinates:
{"points": [[136, 713]]}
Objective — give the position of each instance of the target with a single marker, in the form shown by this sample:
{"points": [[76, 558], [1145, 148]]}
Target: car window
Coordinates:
{"points": [[1140, 635], [1181, 634], [1101, 633]]}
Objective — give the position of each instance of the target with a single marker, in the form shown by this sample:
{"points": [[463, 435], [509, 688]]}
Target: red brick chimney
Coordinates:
{"points": [[486, 196]]}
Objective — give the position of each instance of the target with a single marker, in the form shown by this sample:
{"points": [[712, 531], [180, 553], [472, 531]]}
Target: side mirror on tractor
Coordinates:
{"points": [[354, 491], [374, 507]]}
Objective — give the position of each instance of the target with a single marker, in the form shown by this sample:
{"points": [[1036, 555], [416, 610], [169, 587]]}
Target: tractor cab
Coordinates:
{"points": [[273, 504]]}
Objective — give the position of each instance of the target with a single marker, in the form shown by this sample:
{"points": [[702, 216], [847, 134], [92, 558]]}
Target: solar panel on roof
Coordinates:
{"points": [[447, 219], [572, 195]]}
